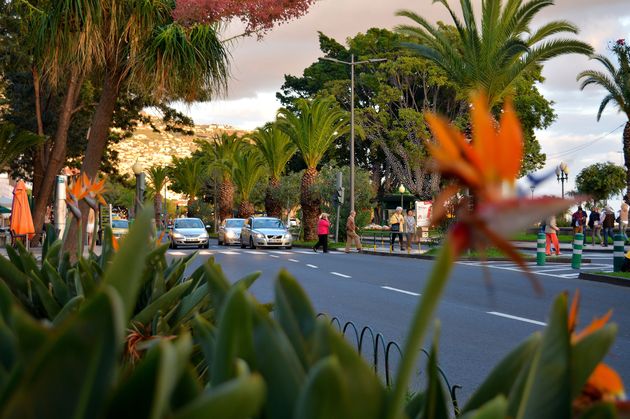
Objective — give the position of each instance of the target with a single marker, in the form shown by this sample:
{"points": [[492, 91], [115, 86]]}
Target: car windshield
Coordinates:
{"points": [[234, 223], [267, 223], [193, 223], [120, 224]]}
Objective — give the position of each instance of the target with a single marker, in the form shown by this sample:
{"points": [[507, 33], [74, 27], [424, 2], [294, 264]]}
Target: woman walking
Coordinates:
{"points": [[551, 230], [608, 223], [410, 228], [594, 223], [396, 227], [323, 228]]}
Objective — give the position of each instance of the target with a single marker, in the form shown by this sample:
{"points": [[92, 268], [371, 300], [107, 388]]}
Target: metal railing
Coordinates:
{"points": [[382, 350]]}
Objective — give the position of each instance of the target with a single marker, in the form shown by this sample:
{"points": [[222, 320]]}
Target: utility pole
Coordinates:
{"points": [[338, 199]]}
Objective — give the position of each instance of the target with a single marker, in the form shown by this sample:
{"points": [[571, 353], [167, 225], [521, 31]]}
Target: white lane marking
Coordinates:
{"points": [[570, 275], [256, 252], [282, 252], [341, 275], [229, 252], [177, 253], [304, 252], [294, 260], [205, 252], [311, 266], [275, 256], [522, 319], [399, 290]]}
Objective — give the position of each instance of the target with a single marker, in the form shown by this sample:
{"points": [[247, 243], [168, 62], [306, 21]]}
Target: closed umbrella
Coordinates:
{"points": [[21, 219]]}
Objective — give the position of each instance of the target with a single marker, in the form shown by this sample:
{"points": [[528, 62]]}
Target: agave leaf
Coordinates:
{"points": [[6, 301], [296, 315], [8, 347], [548, 388], [15, 258], [186, 390], [163, 303], [191, 302], [248, 280], [587, 353], [495, 408], [205, 336], [436, 405], [325, 393], [68, 309], [415, 406], [13, 276], [218, 285], [53, 253], [60, 289], [50, 305], [504, 374], [240, 398]]}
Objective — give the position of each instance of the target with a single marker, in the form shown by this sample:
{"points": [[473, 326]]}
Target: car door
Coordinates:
{"points": [[245, 231]]}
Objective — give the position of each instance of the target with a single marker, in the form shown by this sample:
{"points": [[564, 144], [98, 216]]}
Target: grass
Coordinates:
{"points": [[490, 253], [331, 245], [615, 274], [563, 238]]}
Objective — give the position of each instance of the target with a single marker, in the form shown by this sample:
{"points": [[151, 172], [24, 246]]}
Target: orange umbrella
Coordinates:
{"points": [[21, 219]]}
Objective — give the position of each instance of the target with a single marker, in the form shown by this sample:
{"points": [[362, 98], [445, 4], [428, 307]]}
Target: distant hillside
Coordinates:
{"points": [[151, 147]]}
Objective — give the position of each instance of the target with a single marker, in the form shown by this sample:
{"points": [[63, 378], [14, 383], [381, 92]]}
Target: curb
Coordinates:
{"points": [[613, 280], [490, 259], [584, 250]]}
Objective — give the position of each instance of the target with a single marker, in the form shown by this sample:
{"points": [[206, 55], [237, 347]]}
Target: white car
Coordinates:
{"points": [[265, 232], [189, 232], [230, 231]]}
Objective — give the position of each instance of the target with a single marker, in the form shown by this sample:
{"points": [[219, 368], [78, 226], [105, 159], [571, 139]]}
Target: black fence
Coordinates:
{"points": [[382, 353]]}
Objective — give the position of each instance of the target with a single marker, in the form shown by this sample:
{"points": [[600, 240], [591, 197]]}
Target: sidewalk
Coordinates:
{"points": [[37, 251], [565, 247]]}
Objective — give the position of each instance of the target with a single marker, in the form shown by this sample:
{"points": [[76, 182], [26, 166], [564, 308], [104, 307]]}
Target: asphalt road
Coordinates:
{"points": [[480, 320]]}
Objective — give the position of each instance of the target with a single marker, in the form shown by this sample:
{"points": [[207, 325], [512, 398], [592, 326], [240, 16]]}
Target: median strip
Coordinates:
{"points": [[521, 319], [341, 275], [401, 291]]}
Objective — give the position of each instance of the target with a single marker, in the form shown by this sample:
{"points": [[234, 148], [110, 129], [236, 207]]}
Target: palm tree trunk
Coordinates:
{"points": [[626, 157], [157, 208], [273, 206], [309, 200], [245, 209], [58, 152], [226, 199]]}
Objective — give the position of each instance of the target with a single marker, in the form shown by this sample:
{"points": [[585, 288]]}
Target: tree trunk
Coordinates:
{"points": [[189, 205], [626, 157], [97, 141], [273, 206], [245, 209], [157, 208], [310, 204], [226, 199], [58, 152]]}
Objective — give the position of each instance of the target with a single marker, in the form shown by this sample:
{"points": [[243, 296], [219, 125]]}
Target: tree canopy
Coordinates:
{"points": [[600, 181]]}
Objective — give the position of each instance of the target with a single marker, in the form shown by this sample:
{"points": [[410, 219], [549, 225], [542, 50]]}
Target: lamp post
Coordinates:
{"points": [[138, 171], [402, 190], [531, 188], [562, 173], [352, 63]]}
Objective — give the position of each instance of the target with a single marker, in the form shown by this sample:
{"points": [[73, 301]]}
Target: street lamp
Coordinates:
{"points": [[562, 173], [138, 171], [401, 189], [531, 188], [352, 63]]}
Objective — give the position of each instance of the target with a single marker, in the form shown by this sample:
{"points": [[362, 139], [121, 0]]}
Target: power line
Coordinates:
{"points": [[583, 146]]}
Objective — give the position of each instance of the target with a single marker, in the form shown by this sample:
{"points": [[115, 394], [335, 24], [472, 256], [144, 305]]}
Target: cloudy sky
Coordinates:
{"points": [[258, 68]]}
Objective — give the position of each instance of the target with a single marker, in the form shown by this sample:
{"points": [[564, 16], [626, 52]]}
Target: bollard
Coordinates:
{"points": [[540, 250], [618, 253], [578, 244], [375, 241]]}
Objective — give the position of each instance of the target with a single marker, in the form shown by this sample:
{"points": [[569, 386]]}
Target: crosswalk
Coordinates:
{"points": [[218, 250], [560, 270]]}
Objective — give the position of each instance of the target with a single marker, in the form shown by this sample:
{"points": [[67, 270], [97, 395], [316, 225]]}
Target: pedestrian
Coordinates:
{"points": [[551, 234], [352, 238], [594, 223], [608, 223], [623, 219], [625, 266], [578, 219], [396, 227], [410, 227], [323, 228]]}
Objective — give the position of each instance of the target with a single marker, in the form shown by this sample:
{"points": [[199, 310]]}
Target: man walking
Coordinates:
{"points": [[352, 238]]}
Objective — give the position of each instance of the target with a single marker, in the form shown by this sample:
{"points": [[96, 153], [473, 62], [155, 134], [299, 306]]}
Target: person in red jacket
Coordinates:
{"points": [[323, 228]]}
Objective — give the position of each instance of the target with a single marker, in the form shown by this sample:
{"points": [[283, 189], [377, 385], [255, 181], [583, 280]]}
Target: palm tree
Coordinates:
{"points": [[276, 149], [493, 55], [221, 155], [188, 173], [616, 82], [248, 169], [312, 127], [158, 175]]}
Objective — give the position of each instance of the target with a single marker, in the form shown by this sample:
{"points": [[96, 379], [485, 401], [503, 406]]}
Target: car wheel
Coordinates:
{"points": [[207, 245], [173, 245], [220, 243], [251, 243], [243, 244], [289, 247]]}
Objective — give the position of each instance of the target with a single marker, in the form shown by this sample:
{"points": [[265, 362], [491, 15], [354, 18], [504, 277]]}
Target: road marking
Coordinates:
{"points": [[401, 291], [274, 256], [522, 319], [177, 253], [305, 252], [294, 260], [256, 252], [229, 252], [205, 252], [341, 275], [282, 252], [570, 275], [311, 266]]}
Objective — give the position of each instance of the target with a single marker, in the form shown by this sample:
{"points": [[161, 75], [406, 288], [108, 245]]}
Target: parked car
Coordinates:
{"points": [[120, 228], [230, 231], [189, 232], [265, 232]]}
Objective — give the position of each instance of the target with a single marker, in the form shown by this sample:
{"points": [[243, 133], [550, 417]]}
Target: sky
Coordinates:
{"points": [[259, 66]]}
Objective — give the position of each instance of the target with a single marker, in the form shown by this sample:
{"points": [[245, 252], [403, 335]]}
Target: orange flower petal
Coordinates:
{"points": [[574, 311], [595, 325], [510, 144], [607, 382], [440, 129]]}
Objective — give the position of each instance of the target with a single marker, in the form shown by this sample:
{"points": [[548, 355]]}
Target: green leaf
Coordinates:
{"points": [[60, 289], [548, 387], [6, 301], [325, 393], [587, 353], [240, 398], [248, 280], [493, 409], [191, 302], [601, 411], [163, 303], [13, 276], [436, 405], [218, 284], [15, 259], [504, 374], [296, 315], [50, 305], [69, 309], [125, 272], [205, 335]]}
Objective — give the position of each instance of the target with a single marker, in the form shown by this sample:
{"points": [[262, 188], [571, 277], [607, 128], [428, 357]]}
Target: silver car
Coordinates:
{"points": [[230, 231], [189, 232], [265, 232]]}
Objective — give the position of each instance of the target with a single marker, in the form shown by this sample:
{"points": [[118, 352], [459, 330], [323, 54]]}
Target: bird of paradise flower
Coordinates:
{"points": [[83, 189]]}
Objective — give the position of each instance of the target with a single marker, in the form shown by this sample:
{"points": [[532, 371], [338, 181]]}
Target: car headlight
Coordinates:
{"points": [[288, 236], [203, 236], [259, 236], [229, 234], [178, 235]]}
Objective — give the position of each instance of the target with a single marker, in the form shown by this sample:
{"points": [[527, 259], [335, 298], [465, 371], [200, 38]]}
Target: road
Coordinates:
{"points": [[480, 320]]}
